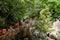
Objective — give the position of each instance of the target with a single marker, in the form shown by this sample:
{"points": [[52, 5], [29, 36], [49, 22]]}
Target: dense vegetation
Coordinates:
{"points": [[15, 10]]}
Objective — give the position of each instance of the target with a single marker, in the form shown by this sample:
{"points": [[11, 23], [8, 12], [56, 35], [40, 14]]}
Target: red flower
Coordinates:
{"points": [[4, 31], [16, 25]]}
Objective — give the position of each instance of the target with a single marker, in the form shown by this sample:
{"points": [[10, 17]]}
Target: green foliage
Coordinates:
{"points": [[15, 10], [45, 14], [44, 18], [12, 10], [54, 9]]}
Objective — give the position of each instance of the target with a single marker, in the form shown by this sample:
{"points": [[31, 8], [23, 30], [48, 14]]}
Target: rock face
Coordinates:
{"points": [[56, 25], [55, 30]]}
